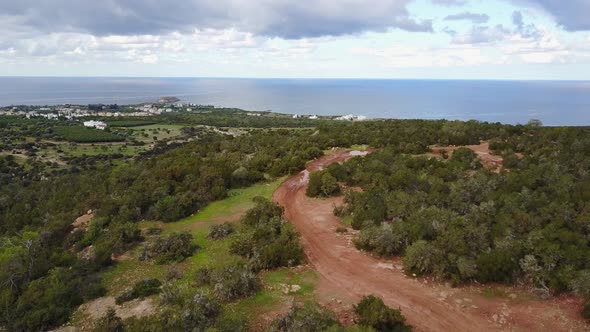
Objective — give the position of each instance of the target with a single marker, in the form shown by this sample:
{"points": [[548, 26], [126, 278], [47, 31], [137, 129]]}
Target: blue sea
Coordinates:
{"points": [[552, 102]]}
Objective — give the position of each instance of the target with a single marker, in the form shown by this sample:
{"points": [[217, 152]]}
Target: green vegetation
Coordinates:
{"points": [[371, 311], [266, 240], [322, 184], [309, 317], [141, 289], [450, 218], [86, 135], [172, 248], [221, 231]]}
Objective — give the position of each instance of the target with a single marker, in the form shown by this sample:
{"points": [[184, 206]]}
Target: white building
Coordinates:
{"points": [[95, 124]]}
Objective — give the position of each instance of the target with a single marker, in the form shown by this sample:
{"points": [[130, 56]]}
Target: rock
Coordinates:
{"points": [[87, 254], [288, 289]]}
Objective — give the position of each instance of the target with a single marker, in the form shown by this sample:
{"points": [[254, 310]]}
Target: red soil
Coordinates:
{"points": [[482, 150], [347, 274]]}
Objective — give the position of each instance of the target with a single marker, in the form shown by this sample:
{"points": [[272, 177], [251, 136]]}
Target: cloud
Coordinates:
{"points": [[467, 16], [572, 15], [482, 35], [449, 3], [416, 57], [517, 19], [274, 18]]}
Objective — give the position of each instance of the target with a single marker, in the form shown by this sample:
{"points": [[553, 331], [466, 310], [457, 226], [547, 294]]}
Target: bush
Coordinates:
{"points": [[322, 184], [47, 302], [310, 317], [141, 289], [267, 240], [496, 266], [173, 248], [419, 258], [231, 282], [262, 212], [200, 313], [218, 232], [466, 158], [385, 240], [110, 322], [371, 311], [203, 276]]}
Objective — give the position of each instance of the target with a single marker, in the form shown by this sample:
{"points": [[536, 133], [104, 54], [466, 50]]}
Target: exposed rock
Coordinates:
{"points": [[87, 254], [82, 222]]}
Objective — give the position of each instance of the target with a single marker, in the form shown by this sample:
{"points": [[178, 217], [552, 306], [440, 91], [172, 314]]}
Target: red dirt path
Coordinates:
{"points": [[347, 274]]}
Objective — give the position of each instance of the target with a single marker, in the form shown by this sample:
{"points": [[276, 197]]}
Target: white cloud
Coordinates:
{"points": [[415, 57]]}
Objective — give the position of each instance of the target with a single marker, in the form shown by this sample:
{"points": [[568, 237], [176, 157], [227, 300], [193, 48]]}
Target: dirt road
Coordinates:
{"points": [[346, 274]]}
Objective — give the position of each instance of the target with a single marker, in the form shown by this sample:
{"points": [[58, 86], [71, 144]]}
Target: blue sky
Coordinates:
{"points": [[438, 39]]}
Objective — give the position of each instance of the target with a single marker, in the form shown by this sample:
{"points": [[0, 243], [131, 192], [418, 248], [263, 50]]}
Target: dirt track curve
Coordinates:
{"points": [[347, 274]]}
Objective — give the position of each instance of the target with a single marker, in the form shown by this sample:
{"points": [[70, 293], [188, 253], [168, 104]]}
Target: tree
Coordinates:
{"points": [[371, 311], [329, 185]]}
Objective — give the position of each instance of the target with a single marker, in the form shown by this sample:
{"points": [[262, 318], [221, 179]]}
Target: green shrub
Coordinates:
{"points": [[200, 313], [47, 302], [267, 240], [262, 212], [496, 266], [384, 240], [371, 311], [420, 258], [173, 248], [218, 232], [322, 184], [203, 276], [110, 322], [141, 289], [231, 282], [309, 317]]}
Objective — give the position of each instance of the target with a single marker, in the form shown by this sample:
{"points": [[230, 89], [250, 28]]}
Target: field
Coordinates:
{"points": [[159, 131], [215, 254], [86, 135]]}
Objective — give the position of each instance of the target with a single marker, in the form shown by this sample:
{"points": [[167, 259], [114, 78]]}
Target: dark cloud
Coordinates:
{"points": [[572, 15], [467, 16], [287, 19], [518, 20]]}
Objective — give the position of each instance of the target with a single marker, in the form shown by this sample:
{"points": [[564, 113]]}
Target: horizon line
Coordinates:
{"points": [[306, 78]]}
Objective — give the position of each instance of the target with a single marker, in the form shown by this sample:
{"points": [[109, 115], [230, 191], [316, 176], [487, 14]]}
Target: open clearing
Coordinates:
{"points": [[347, 274]]}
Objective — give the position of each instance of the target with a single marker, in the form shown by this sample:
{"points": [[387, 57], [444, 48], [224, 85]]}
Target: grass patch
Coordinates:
{"points": [[347, 220], [160, 131], [86, 135], [359, 147], [100, 149]]}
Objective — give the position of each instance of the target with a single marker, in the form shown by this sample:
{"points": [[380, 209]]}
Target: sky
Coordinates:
{"points": [[433, 39]]}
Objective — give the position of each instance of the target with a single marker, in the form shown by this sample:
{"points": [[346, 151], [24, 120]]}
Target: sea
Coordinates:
{"points": [[553, 102]]}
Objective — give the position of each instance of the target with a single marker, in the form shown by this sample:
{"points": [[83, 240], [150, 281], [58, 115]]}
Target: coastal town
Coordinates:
{"points": [[163, 106]]}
